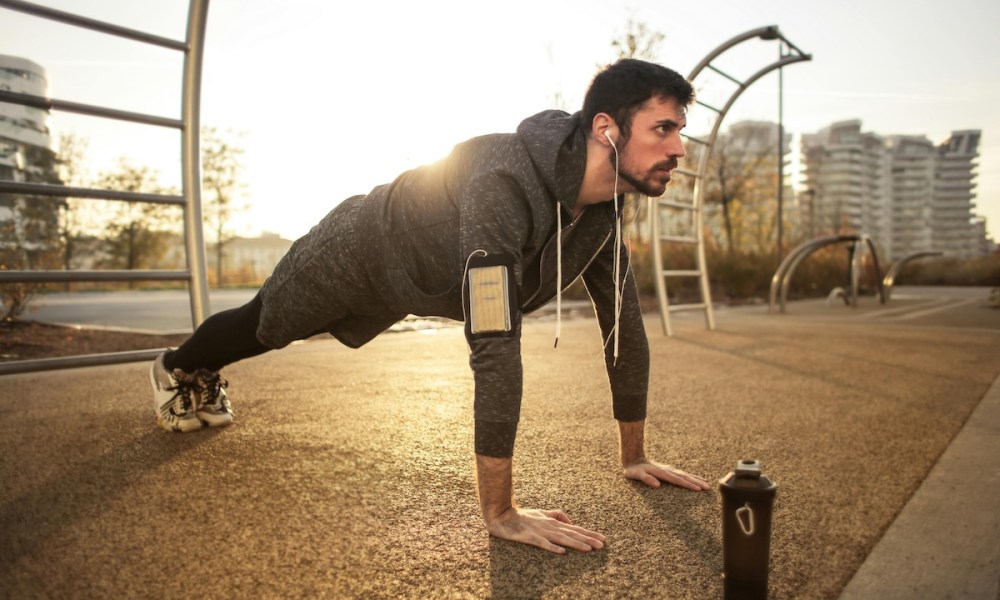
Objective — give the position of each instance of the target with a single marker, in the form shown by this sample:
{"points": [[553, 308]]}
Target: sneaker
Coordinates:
{"points": [[213, 407], [174, 395]]}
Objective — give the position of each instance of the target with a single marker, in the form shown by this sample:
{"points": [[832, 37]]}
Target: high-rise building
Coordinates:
{"points": [[28, 226], [953, 203], [913, 165], [846, 183], [982, 244], [904, 192], [21, 127]]}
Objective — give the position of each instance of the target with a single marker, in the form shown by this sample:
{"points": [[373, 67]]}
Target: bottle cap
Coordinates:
{"points": [[748, 469]]}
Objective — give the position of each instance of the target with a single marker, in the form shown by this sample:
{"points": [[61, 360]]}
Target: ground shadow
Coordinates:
{"points": [[526, 572], [702, 537], [82, 489]]}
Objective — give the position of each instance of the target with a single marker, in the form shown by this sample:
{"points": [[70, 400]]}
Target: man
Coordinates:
{"points": [[495, 230]]}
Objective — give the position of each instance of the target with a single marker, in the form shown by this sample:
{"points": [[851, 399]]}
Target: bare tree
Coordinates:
{"points": [[70, 160], [735, 173], [740, 181], [221, 185], [638, 41]]}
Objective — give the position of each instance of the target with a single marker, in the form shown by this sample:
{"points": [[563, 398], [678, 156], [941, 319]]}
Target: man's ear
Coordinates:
{"points": [[604, 129]]}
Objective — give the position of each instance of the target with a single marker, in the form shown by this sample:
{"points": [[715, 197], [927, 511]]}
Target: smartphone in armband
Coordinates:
{"points": [[490, 296]]}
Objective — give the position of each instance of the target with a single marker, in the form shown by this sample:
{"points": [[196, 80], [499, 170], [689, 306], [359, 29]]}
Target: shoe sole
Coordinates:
{"points": [[214, 420], [179, 427]]}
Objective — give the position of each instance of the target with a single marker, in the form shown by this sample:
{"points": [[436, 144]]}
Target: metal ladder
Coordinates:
{"points": [[657, 208], [660, 209], [189, 125]]}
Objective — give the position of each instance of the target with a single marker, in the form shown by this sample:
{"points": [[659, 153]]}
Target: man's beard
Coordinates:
{"points": [[654, 184]]}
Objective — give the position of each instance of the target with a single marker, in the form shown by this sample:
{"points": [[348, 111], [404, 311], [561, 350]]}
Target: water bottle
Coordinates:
{"points": [[747, 504]]}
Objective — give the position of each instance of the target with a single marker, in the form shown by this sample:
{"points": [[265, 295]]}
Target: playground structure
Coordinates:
{"points": [[189, 126], [660, 207], [781, 280], [190, 198]]}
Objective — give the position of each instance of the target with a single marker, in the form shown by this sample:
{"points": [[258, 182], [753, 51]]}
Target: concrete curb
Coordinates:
{"points": [[945, 543]]}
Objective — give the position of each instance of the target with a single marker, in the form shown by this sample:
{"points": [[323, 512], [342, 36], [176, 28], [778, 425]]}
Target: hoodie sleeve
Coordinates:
{"points": [[495, 220], [629, 378]]}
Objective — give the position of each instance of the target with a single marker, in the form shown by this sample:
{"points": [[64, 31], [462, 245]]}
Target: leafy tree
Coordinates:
{"points": [[221, 185], [137, 234]]}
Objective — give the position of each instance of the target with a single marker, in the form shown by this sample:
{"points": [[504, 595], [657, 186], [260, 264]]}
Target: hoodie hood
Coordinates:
{"points": [[557, 147]]}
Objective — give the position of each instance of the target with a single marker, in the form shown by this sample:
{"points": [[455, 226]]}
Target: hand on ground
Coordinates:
{"points": [[550, 530], [652, 474]]}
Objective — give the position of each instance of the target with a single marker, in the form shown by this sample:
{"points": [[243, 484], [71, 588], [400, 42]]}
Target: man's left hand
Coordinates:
{"points": [[652, 474]]}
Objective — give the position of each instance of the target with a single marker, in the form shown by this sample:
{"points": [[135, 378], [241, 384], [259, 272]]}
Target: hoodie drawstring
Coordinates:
{"points": [[558, 273], [616, 272]]}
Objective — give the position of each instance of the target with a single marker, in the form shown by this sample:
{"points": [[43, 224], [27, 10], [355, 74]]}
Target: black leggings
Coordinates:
{"points": [[222, 339]]}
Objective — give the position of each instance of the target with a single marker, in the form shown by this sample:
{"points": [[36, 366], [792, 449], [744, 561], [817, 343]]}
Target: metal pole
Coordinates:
{"points": [[781, 149], [194, 237]]}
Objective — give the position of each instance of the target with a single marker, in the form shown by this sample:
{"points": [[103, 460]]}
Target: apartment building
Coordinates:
{"points": [[913, 166], [904, 191], [846, 182], [953, 204], [28, 227], [252, 258], [21, 127]]}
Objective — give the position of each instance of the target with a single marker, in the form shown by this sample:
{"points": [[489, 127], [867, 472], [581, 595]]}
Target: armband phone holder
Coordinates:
{"points": [[490, 296]]}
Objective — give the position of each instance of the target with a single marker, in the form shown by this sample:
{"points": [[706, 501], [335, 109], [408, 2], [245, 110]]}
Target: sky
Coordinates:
{"points": [[331, 99]]}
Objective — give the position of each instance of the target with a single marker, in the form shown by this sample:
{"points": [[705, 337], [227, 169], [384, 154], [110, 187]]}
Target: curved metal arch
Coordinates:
{"points": [[699, 187], [856, 270], [782, 278], [779, 281], [770, 32], [890, 277]]}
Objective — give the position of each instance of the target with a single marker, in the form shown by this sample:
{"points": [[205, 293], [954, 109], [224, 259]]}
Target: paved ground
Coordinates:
{"points": [[149, 311], [348, 473]]}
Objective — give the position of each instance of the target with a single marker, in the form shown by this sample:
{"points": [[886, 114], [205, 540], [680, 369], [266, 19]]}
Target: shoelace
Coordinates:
{"points": [[182, 394], [212, 384]]}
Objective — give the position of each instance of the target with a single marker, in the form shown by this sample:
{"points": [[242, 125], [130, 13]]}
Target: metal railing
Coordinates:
{"points": [[190, 199]]}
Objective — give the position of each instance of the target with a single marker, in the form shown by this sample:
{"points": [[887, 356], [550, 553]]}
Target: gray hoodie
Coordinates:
{"points": [[402, 249]]}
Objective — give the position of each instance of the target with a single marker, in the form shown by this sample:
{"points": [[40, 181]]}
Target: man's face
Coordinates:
{"points": [[649, 156]]}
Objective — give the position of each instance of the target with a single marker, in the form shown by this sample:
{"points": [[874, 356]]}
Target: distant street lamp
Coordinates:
{"points": [[781, 149]]}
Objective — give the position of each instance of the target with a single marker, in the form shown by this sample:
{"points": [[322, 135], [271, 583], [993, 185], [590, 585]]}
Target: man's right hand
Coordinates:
{"points": [[550, 530]]}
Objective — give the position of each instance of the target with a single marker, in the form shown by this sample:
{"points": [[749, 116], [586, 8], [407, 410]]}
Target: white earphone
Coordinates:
{"points": [[618, 245]]}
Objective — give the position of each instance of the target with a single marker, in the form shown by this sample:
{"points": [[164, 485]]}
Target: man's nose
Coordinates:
{"points": [[676, 148]]}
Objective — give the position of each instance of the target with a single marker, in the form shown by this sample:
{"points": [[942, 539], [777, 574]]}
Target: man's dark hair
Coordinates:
{"points": [[621, 88]]}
